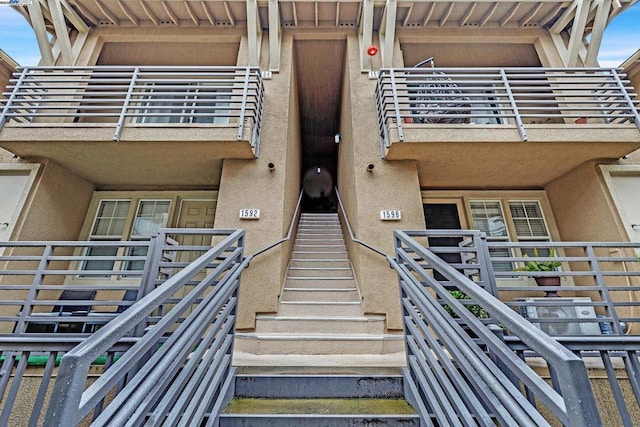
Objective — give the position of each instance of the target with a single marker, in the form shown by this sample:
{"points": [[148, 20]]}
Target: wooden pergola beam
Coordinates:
{"points": [[366, 34], [275, 35], [62, 31], [39, 28]]}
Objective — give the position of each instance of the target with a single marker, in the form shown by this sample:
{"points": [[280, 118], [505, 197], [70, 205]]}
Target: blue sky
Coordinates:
{"points": [[621, 39]]}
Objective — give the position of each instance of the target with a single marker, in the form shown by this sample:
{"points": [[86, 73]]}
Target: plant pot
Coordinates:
{"points": [[549, 281], [581, 121]]}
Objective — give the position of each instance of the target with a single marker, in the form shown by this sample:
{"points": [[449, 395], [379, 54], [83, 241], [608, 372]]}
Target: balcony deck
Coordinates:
{"points": [[101, 121], [532, 124]]}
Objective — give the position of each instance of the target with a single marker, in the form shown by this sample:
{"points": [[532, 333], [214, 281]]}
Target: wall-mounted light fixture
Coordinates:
{"points": [[337, 138], [272, 167], [370, 167]]}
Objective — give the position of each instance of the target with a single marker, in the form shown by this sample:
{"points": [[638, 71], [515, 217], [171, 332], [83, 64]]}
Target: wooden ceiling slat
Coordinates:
{"points": [[149, 12], [127, 12], [170, 12], [107, 13]]}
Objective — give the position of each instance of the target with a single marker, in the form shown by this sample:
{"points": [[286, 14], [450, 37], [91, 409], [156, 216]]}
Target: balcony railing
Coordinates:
{"points": [[594, 311], [121, 96], [174, 335], [500, 96]]}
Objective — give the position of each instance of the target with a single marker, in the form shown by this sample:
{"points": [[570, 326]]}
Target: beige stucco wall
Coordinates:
{"points": [[583, 208], [391, 185], [57, 207], [250, 184]]}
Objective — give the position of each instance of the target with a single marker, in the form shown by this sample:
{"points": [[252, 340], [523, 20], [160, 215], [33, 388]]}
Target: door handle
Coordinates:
{"points": [[4, 224], [634, 226]]}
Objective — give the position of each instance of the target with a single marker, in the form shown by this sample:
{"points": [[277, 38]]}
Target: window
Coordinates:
{"points": [[487, 216], [112, 223], [186, 103], [526, 222], [108, 226]]}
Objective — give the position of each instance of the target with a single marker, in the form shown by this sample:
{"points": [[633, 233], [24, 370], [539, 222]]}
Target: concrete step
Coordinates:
{"points": [[320, 272], [369, 385], [319, 255], [318, 223], [320, 324], [289, 343], [320, 294], [320, 263], [320, 282], [319, 240], [319, 248], [333, 231], [315, 308], [313, 420]]}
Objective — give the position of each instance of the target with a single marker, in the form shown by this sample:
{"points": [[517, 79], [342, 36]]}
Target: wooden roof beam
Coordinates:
{"points": [[366, 34], [83, 10], [110, 16], [230, 16], [599, 25], [529, 16], [127, 12], [489, 14], [152, 16], [62, 31], [192, 14], [447, 14], [577, 33], [254, 32], [505, 19], [37, 21], [170, 12], [73, 17], [429, 14], [275, 35], [208, 13], [468, 14]]}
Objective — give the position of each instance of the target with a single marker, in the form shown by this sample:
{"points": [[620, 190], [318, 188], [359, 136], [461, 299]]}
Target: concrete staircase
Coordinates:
{"points": [[315, 400], [320, 308]]}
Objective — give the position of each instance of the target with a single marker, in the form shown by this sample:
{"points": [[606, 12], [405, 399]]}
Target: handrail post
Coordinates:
{"points": [[604, 292], [12, 97], [514, 106], [627, 98], [125, 104], [396, 106], [243, 106], [38, 279]]}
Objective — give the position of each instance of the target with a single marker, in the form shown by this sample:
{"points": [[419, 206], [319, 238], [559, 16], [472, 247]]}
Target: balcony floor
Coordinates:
{"points": [[144, 156], [494, 157]]}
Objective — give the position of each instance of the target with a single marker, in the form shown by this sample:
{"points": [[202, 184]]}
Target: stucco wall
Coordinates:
{"points": [[582, 206], [391, 185], [250, 184]]}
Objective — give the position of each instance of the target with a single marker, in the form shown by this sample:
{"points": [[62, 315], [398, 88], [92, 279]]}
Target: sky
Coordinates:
{"points": [[621, 38]]}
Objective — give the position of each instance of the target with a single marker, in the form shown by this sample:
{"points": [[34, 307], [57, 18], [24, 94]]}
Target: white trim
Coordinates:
{"points": [[608, 172], [32, 168]]}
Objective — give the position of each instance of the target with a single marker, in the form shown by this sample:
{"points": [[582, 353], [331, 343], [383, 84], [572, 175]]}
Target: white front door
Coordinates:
{"points": [[626, 192], [15, 182]]}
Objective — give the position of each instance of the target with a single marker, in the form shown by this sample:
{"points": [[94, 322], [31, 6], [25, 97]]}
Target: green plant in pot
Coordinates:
{"points": [[543, 266], [475, 309]]}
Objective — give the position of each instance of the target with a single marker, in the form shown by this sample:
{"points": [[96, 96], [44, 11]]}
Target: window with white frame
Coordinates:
{"points": [[487, 216], [113, 222], [526, 220]]}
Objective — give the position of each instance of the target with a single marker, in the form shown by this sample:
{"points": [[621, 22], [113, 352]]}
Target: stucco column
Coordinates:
{"points": [[251, 184], [390, 185]]}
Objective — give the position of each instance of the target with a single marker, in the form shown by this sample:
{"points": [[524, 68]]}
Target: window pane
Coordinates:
{"points": [[100, 251], [501, 265], [136, 265], [487, 217], [528, 219], [111, 218], [151, 216]]}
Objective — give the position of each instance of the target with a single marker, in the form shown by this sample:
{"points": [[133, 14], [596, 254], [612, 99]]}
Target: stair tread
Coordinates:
{"points": [[322, 318], [319, 336], [391, 407], [320, 289]]}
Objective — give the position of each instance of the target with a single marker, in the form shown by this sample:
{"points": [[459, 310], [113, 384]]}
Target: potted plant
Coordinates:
{"points": [[543, 266]]}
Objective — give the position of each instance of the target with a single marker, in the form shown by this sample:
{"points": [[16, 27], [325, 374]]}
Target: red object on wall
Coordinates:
{"points": [[372, 50]]}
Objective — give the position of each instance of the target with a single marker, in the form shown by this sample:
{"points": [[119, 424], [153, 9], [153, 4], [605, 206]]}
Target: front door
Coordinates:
{"points": [[14, 188], [625, 188], [443, 216]]}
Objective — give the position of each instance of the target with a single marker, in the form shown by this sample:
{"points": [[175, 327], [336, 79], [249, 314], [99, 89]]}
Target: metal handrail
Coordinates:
{"points": [[351, 235], [574, 405], [120, 95], [459, 95], [70, 401], [288, 236]]}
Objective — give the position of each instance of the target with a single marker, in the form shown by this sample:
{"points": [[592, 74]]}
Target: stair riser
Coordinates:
{"points": [[300, 326], [320, 296], [319, 272], [319, 310], [313, 346], [307, 223], [318, 239], [320, 230], [319, 248], [316, 421], [319, 386], [319, 283], [307, 254], [320, 264]]}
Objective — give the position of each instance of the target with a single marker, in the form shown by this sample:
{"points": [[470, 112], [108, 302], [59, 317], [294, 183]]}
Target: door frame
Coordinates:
{"points": [[32, 171], [609, 172]]}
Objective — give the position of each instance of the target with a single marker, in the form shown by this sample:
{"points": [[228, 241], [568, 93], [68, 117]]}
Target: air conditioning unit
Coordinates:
{"points": [[561, 308]]}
